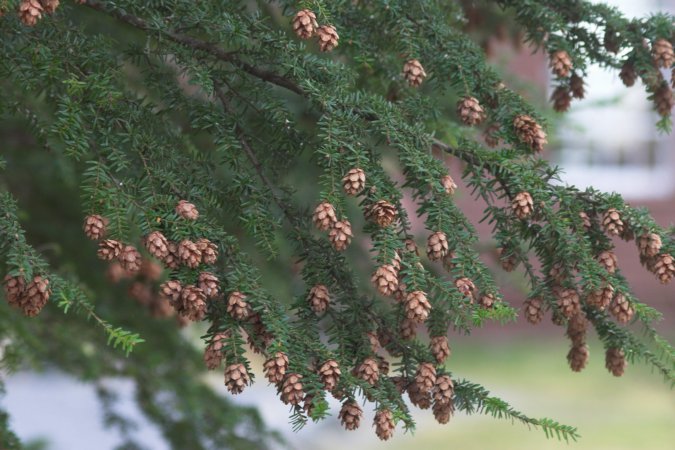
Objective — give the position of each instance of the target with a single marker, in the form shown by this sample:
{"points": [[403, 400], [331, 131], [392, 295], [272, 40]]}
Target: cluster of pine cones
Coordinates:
{"points": [[306, 27], [31, 11], [28, 297]]}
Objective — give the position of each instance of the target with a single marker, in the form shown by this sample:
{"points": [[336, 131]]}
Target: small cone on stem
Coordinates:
{"points": [[236, 378], [350, 415], [275, 367], [304, 24], [615, 361], [414, 73], [341, 235]]}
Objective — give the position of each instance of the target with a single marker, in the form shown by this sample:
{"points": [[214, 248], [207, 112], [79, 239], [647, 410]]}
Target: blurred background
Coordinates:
{"points": [[608, 141]]}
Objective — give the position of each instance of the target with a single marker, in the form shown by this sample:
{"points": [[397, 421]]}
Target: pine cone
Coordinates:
{"points": [[608, 260], [576, 329], [578, 357], [662, 52], [419, 398], [561, 98], [236, 378], [417, 306], [374, 341], [35, 296], [612, 222], [130, 259], [157, 245], [664, 268], [533, 308], [491, 135], [585, 220], [260, 337], [304, 24], [341, 235], [507, 261], [466, 287], [602, 298], [150, 270], [328, 38], [192, 303], [275, 367], [611, 41], [385, 280], [350, 415], [439, 348], [663, 99], [443, 412], [30, 11], [384, 424], [470, 111], [213, 354], [209, 284], [649, 244], [522, 205], [319, 298], [15, 288], [561, 63], [189, 254], [577, 87], [407, 329], [354, 182], [109, 249], [95, 227], [615, 361], [437, 246], [329, 372], [171, 290], [448, 184], [568, 302], [187, 210], [443, 391], [628, 74], [425, 378], [324, 216], [50, 5], [172, 261], [530, 132], [291, 390], [140, 292], [414, 72], [238, 307], [487, 301], [621, 309], [382, 213], [368, 371]]}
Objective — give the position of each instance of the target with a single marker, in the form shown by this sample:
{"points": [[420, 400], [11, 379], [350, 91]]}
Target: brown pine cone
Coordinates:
{"points": [[628, 74], [385, 280], [150, 270], [192, 303], [577, 87], [448, 184], [419, 398], [328, 38], [437, 246], [130, 259], [425, 378], [443, 390], [109, 249], [350, 415], [382, 213], [384, 424], [440, 348], [157, 245], [612, 223], [30, 11], [585, 220], [561, 99], [608, 260], [213, 354], [329, 372], [304, 24], [172, 261], [238, 307], [615, 361], [368, 371], [417, 306], [601, 299], [443, 412], [324, 216], [491, 136], [533, 308], [664, 268], [576, 329], [354, 182], [236, 378], [407, 329], [140, 292], [15, 288], [530, 132], [568, 302], [507, 261], [95, 227], [649, 244], [663, 99], [662, 53], [578, 357], [341, 235], [275, 367], [374, 341], [171, 290], [189, 253], [522, 205], [50, 5], [466, 287], [560, 63], [611, 41], [35, 296], [291, 391], [187, 210], [208, 249], [209, 283], [470, 111], [260, 337], [414, 73], [621, 309], [319, 298], [487, 301]]}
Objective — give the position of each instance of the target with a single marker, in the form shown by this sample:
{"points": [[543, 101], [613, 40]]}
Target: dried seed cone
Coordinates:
{"points": [[30, 11], [374, 341], [568, 302], [192, 303], [487, 300], [615, 361], [662, 52], [354, 182], [407, 329], [324, 216], [470, 111], [585, 220], [417, 306], [319, 298], [291, 390], [189, 253], [385, 280], [384, 424], [418, 397], [437, 246], [172, 261], [561, 99], [448, 185], [341, 235], [530, 132], [275, 367], [443, 391], [466, 287], [329, 372], [522, 205], [304, 24], [208, 250], [578, 357], [50, 5], [238, 307], [140, 292], [561, 63], [328, 38], [608, 260], [213, 354], [94, 227], [491, 135], [443, 412], [369, 371], [425, 378], [663, 99], [382, 213], [576, 329], [171, 290], [612, 223], [649, 244], [577, 87], [157, 245], [15, 288], [109, 249], [440, 348], [601, 299], [130, 259], [664, 268], [35, 296], [533, 308], [187, 210], [350, 415], [621, 309], [209, 284], [627, 74], [236, 378], [414, 72], [507, 261]]}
